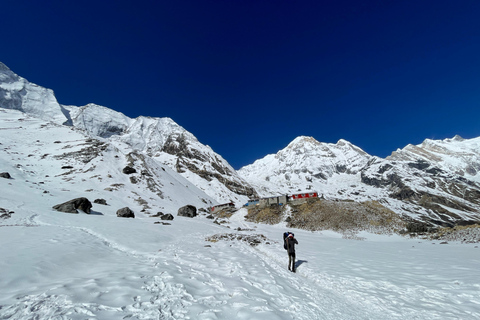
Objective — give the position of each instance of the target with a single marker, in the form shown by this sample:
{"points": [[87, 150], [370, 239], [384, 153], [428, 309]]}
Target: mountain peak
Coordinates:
{"points": [[343, 142], [457, 138], [3, 67], [302, 141]]}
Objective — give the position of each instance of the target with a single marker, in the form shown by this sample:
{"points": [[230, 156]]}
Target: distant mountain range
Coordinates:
{"points": [[436, 182]]}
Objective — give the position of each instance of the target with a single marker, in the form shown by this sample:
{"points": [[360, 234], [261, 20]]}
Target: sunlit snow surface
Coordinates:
{"points": [[64, 266]]}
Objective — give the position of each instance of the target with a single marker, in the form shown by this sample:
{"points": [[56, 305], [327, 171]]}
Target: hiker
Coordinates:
{"points": [[290, 243]]}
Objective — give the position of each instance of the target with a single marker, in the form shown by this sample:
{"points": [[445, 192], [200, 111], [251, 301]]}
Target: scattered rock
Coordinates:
{"points": [[100, 201], [167, 216], [465, 234], [129, 170], [125, 213], [5, 175], [187, 211], [251, 239], [240, 229], [71, 206], [5, 214], [158, 214]]}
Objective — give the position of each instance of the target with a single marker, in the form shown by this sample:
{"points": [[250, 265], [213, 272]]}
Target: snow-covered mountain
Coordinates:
{"points": [[305, 164], [65, 163], [438, 179], [160, 139], [436, 182]]}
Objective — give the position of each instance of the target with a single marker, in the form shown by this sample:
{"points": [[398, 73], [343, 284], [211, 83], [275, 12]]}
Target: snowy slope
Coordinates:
{"points": [[458, 155], [97, 266], [49, 155], [159, 138]]}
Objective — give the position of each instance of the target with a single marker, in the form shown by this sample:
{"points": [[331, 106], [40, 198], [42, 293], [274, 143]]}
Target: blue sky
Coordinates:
{"points": [[247, 77]]}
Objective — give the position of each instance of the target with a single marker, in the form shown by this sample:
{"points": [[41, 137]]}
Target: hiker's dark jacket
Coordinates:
{"points": [[291, 242]]}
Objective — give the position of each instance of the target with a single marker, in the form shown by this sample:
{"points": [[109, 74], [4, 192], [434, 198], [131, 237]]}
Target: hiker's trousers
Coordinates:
{"points": [[291, 261]]}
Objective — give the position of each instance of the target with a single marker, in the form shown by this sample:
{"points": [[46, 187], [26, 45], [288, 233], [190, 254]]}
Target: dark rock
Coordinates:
{"points": [[162, 223], [133, 180], [416, 227], [5, 214], [129, 170], [5, 175], [403, 194], [420, 164], [210, 217], [187, 211], [71, 206], [158, 214], [67, 167], [434, 171], [167, 216], [100, 201], [341, 168], [125, 213]]}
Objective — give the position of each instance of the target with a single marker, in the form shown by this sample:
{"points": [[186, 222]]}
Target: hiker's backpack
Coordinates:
{"points": [[285, 236]]}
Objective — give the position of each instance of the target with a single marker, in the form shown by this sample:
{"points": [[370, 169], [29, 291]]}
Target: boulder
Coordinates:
{"points": [[129, 170], [187, 211], [167, 216], [125, 213], [5, 175], [100, 201], [71, 206]]}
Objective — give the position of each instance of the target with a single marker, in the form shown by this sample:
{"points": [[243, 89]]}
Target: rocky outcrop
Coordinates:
{"points": [[252, 239], [125, 213], [71, 206], [187, 211]]}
